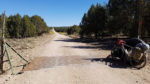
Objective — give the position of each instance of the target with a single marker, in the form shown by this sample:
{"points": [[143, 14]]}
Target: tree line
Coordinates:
{"points": [[61, 29], [26, 26], [75, 29], [116, 17]]}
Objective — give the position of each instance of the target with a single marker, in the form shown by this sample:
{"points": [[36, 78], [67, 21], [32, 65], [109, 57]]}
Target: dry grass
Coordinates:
{"points": [[63, 33], [52, 32]]}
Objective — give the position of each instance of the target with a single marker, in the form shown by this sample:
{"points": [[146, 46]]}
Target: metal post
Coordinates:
{"points": [[139, 18], [8, 56], [2, 44], [141, 4]]}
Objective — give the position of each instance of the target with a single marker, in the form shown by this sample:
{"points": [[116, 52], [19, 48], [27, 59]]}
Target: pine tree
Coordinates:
{"points": [[28, 27], [14, 26], [40, 24]]}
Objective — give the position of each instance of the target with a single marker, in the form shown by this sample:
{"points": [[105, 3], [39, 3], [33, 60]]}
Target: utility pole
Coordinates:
{"points": [[2, 44]]}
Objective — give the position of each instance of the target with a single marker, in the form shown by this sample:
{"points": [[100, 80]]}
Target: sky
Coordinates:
{"points": [[54, 12]]}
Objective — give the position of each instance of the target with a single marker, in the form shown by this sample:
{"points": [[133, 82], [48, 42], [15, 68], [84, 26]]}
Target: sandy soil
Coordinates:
{"points": [[61, 60]]}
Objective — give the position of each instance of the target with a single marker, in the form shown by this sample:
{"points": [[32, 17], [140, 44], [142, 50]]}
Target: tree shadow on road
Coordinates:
{"points": [[114, 63], [94, 44]]}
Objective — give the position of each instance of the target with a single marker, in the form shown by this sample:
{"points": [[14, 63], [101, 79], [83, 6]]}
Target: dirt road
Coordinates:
{"points": [[65, 61]]}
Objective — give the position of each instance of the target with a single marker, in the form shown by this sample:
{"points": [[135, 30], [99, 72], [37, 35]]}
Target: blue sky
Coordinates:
{"points": [[54, 12]]}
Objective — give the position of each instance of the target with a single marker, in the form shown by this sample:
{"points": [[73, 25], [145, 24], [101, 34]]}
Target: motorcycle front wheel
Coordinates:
{"points": [[140, 63]]}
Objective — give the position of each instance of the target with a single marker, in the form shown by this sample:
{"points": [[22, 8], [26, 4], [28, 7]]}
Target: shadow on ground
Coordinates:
{"points": [[113, 63], [95, 44], [89, 47]]}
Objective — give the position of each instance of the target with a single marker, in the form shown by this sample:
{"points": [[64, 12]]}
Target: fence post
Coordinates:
{"points": [[2, 44]]}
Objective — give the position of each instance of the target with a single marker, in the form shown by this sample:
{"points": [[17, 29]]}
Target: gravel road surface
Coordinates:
{"points": [[62, 60]]}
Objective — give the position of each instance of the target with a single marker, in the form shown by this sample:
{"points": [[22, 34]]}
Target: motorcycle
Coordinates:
{"points": [[136, 55]]}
